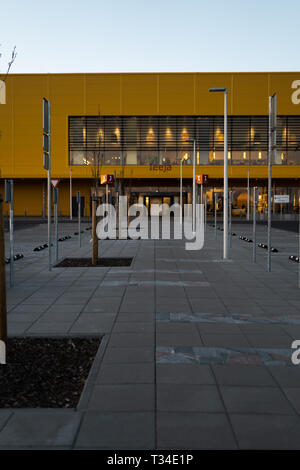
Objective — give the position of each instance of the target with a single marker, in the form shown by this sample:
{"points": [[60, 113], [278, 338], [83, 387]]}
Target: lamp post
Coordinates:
{"points": [[193, 141], [180, 193], [225, 204]]}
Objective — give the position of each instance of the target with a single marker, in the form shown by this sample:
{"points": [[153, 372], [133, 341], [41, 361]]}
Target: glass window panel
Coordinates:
{"points": [[77, 157], [240, 157], [147, 157], [258, 157], [216, 157]]}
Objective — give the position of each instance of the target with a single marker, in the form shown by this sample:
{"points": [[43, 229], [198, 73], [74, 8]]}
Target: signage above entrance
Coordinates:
{"points": [[201, 179], [107, 179]]}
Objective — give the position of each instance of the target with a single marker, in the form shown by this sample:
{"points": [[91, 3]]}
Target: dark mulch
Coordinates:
{"points": [[87, 262], [45, 372]]}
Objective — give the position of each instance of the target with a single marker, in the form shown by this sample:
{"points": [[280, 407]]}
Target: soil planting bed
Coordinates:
{"points": [[87, 262], [45, 372]]}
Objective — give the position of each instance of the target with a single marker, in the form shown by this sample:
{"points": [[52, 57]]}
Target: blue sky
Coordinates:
{"points": [[150, 36]]}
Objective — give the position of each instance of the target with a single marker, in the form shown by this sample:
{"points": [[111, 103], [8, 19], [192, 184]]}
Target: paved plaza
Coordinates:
{"points": [[196, 352]]}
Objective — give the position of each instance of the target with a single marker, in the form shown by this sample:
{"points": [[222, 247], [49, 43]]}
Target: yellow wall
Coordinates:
{"points": [[123, 94]]}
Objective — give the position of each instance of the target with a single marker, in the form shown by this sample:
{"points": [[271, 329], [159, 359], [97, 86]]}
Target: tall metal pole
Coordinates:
{"points": [[225, 205], [248, 196], [272, 148], [180, 195], [254, 226], [269, 184], [299, 252], [71, 207], [79, 217], [44, 201], [205, 210], [49, 192], [216, 215], [55, 202], [230, 216], [194, 188]]}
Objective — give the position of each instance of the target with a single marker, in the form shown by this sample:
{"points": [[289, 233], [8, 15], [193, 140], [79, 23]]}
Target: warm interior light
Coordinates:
{"points": [[184, 134], [168, 134], [219, 135], [214, 155], [150, 135], [100, 136], [229, 155], [282, 156], [117, 132], [259, 155], [244, 155]]}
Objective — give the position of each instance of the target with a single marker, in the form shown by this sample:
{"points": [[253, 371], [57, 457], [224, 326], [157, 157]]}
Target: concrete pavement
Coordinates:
{"points": [[196, 352]]}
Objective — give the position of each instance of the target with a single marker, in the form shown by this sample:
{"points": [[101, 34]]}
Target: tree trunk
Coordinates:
{"points": [[94, 234], [3, 311]]}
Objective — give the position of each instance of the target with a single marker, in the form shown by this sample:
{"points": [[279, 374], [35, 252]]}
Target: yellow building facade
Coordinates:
{"points": [[138, 124]]}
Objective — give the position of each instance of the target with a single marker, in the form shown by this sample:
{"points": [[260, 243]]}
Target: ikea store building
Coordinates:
{"points": [[136, 127]]}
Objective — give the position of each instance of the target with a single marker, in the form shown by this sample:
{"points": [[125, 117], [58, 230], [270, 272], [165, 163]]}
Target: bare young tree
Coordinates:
{"points": [[96, 160], [13, 58]]}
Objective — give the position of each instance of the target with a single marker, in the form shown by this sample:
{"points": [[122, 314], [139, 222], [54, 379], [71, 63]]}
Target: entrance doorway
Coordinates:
{"points": [[152, 202], [75, 206]]}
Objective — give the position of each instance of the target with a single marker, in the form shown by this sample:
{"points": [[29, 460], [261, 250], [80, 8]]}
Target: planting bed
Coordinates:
{"points": [[87, 262], [45, 372]]}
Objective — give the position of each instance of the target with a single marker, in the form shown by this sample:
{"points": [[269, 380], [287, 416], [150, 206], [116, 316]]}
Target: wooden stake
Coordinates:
{"points": [[3, 310]]}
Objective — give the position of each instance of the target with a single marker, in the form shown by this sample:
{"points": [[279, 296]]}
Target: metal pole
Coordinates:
{"points": [[299, 252], [194, 187], [49, 192], [225, 205], [44, 201], [248, 196], [230, 216], [11, 232], [106, 194], [79, 217], [71, 208], [272, 141], [180, 195], [269, 185], [205, 209], [55, 201], [216, 215], [254, 226]]}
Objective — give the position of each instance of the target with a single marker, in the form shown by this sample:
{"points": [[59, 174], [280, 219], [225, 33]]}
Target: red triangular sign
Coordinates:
{"points": [[55, 183]]}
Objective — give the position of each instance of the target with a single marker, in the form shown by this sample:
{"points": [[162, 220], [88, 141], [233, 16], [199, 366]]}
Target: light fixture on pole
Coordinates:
{"points": [[193, 141], [184, 158], [225, 203]]}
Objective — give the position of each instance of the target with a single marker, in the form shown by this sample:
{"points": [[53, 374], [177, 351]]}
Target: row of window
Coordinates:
{"points": [[162, 139]]}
